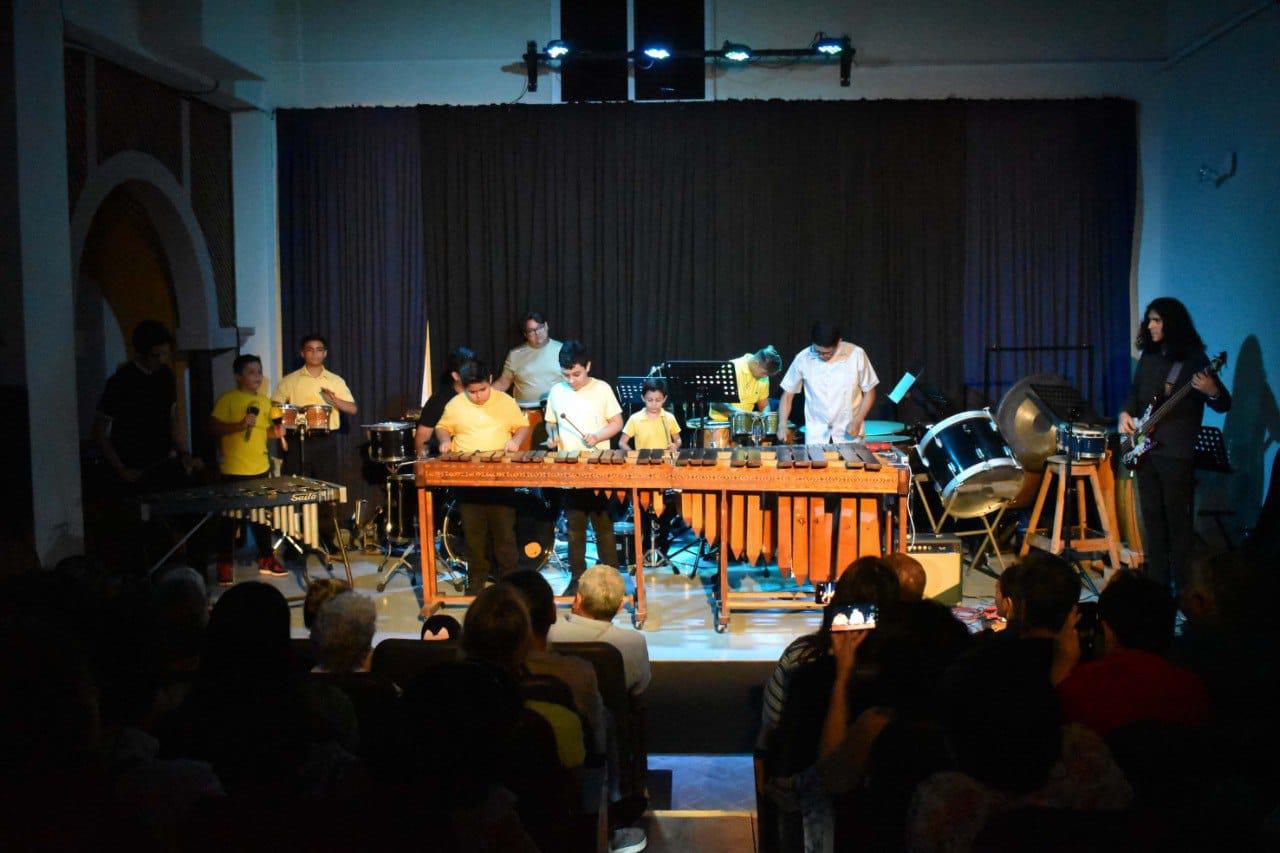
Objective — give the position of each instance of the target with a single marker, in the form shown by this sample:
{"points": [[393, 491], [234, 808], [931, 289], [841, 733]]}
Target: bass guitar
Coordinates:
{"points": [[1141, 442]]}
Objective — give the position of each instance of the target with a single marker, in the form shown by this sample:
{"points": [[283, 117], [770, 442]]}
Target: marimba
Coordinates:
{"points": [[288, 505], [813, 510]]}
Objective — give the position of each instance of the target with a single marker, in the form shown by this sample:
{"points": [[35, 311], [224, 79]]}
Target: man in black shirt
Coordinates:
{"points": [[1172, 356], [137, 427], [447, 387]]}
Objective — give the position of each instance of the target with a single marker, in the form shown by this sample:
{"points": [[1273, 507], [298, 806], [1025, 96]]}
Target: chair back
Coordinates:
{"points": [[401, 660]]}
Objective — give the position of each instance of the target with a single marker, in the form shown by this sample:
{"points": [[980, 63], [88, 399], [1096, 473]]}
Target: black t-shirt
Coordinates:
{"points": [[432, 409], [140, 405]]}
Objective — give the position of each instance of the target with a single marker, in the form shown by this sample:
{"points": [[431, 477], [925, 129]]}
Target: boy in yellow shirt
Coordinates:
{"points": [[478, 419], [654, 428], [241, 419]]}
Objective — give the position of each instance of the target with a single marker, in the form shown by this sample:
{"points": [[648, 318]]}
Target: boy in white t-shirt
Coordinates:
{"points": [[839, 387], [583, 414]]}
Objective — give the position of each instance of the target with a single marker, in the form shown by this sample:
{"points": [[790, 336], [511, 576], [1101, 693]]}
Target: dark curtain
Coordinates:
{"points": [[351, 259], [927, 230], [699, 230], [1049, 218]]}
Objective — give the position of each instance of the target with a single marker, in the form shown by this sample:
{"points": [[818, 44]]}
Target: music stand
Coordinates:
{"points": [[1211, 451], [630, 391], [702, 383]]}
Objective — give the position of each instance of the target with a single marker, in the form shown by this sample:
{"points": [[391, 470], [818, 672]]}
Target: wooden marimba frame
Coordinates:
{"points": [[754, 512]]}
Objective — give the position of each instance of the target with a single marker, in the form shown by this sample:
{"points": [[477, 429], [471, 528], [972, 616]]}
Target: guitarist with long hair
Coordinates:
{"points": [[1173, 356]]}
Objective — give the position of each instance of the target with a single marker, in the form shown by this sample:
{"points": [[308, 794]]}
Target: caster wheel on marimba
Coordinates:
{"points": [[638, 623], [382, 585], [721, 627]]}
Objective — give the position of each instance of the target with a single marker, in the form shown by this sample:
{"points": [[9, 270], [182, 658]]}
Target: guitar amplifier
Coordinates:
{"points": [[940, 556]]}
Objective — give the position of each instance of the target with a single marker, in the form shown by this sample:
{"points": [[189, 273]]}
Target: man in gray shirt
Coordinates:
{"points": [[599, 598]]}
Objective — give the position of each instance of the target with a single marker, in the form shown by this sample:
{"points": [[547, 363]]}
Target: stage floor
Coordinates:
{"points": [[680, 607]]}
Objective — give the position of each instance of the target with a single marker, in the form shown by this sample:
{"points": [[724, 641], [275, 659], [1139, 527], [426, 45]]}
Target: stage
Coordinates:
{"points": [[680, 623]]}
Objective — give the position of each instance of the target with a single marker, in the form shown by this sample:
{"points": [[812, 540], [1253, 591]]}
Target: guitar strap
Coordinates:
{"points": [[1172, 377]]}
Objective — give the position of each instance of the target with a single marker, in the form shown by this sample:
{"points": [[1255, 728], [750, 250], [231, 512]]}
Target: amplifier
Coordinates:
{"points": [[940, 556]]}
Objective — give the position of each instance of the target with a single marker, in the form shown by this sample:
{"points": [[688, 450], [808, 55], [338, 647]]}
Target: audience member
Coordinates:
{"points": [[441, 627], [1010, 750], [496, 631], [319, 591], [182, 607], [806, 684], [342, 634], [868, 579], [911, 576], [598, 599], [1043, 597], [248, 712], [542, 660], [1132, 681]]}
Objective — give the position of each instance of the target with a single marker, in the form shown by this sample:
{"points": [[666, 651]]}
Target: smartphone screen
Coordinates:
{"points": [[823, 590], [855, 617]]}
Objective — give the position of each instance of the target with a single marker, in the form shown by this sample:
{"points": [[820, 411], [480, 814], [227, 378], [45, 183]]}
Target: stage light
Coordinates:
{"points": [[736, 52], [657, 52], [831, 46], [556, 49]]}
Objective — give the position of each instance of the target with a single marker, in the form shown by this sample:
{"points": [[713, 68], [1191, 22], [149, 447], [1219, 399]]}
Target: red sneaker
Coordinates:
{"points": [[226, 573], [271, 566]]}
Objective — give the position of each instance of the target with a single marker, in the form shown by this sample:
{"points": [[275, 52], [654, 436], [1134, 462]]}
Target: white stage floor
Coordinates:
{"points": [[680, 607]]}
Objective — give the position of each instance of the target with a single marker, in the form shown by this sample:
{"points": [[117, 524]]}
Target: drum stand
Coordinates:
{"points": [[988, 531]]}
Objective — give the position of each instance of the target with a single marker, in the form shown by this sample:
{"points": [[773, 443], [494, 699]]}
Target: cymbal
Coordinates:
{"points": [[890, 438], [878, 428], [1028, 429]]}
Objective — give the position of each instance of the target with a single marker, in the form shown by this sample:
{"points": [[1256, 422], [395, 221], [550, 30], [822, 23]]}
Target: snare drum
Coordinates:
{"points": [[1086, 442], [972, 468], [316, 417], [714, 433], [285, 414], [390, 441]]}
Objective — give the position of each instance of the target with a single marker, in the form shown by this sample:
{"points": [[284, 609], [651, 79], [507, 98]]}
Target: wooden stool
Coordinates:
{"points": [[1056, 469]]}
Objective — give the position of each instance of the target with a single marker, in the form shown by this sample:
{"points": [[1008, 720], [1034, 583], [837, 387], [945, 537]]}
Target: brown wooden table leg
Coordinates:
{"points": [[640, 611], [427, 547], [722, 611]]}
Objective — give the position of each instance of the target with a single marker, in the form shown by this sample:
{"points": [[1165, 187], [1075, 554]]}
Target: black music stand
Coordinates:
{"points": [[1211, 455], [702, 383], [630, 392], [1211, 451]]}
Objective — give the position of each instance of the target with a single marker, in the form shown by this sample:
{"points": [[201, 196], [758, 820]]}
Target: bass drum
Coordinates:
{"points": [[535, 532], [972, 468]]}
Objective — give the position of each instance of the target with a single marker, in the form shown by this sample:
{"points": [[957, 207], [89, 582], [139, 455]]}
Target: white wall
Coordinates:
{"points": [[1220, 251], [47, 292]]}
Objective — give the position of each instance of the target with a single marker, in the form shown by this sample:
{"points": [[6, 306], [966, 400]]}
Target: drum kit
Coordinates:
{"points": [[982, 464]]}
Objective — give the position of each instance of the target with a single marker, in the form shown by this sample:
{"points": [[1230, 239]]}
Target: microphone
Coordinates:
{"points": [[253, 410]]}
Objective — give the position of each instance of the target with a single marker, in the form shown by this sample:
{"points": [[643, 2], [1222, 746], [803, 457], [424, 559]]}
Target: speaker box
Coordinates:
{"points": [[940, 556]]}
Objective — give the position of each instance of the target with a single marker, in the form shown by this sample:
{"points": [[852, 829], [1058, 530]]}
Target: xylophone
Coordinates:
{"points": [[812, 509], [288, 505]]}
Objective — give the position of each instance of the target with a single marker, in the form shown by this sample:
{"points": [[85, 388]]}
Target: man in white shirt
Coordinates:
{"points": [[599, 598], [583, 414], [839, 387]]}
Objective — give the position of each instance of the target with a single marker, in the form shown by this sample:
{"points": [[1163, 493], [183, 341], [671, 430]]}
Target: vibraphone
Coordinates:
{"points": [[812, 509], [288, 505]]}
